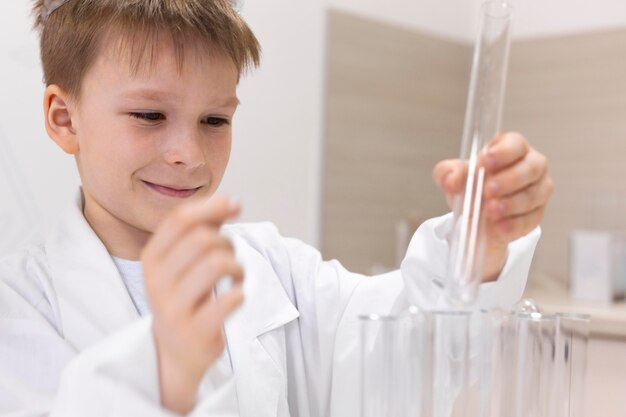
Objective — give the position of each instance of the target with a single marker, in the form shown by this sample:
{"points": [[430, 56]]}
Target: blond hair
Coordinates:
{"points": [[73, 33]]}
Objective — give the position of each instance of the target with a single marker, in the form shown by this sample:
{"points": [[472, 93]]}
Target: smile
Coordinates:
{"points": [[172, 191]]}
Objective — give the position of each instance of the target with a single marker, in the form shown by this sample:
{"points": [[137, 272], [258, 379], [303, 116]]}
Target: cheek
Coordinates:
{"points": [[114, 153], [219, 152]]}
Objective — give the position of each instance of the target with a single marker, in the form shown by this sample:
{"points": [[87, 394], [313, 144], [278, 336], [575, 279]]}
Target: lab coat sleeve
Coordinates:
{"points": [[115, 378], [424, 269], [119, 377]]}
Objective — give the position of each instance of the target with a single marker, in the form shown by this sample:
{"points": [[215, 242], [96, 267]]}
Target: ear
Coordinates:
{"points": [[58, 117]]}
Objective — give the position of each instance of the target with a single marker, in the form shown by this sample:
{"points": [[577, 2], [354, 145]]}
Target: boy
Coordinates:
{"points": [[143, 93]]}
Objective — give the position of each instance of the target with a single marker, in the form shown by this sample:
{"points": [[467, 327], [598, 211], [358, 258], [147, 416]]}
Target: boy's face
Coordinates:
{"points": [[151, 139]]}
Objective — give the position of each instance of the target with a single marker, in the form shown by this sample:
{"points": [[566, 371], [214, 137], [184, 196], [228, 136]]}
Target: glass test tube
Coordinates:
{"points": [[415, 364], [535, 364], [572, 335], [394, 350], [532, 364], [431, 364], [482, 123], [451, 363], [376, 375], [497, 363]]}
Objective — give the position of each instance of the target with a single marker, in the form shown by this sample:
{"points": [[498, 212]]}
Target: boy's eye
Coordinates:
{"points": [[216, 121], [148, 116]]}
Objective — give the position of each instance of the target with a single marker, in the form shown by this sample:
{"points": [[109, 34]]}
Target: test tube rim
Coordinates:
{"points": [[574, 316], [508, 8], [534, 316], [452, 313]]}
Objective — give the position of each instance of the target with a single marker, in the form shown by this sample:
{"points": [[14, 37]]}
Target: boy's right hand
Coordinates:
{"points": [[183, 262]]}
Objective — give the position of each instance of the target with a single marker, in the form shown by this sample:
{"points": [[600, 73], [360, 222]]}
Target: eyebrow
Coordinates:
{"points": [[156, 95]]}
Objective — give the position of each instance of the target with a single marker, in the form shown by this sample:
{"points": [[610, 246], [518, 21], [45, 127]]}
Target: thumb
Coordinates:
{"points": [[450, 175]]}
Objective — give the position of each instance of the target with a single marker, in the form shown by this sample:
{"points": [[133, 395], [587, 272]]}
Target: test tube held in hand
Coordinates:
{"points": [[482, 123]]}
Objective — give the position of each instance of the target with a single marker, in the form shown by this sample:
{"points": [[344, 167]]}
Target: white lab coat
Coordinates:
{"points": [[72, 343]]}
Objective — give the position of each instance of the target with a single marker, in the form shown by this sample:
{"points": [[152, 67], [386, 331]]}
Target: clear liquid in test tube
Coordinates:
{"points": [[482, 123]]}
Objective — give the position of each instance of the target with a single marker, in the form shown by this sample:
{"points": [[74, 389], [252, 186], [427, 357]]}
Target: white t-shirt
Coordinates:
{"points": [[132, 275]]}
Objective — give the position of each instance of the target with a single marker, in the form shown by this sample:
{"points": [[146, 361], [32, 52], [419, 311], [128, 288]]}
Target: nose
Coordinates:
{"points": [[184, 149]]}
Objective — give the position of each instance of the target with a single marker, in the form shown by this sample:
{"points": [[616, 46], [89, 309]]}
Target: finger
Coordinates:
{"points": [[218, 310], [198, 244], [512, 228], [197, 285], [523, 202], [450, 175], [213, 212], [504, 151], [517, 177]]}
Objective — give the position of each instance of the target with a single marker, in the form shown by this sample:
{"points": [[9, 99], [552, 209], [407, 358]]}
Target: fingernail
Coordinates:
{"points": [[491, 161]]}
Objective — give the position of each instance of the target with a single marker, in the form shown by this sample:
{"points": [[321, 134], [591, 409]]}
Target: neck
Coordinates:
{"points": [[121, 239]]}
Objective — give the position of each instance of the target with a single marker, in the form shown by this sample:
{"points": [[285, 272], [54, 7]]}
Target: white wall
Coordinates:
{"points": [[48, 177], [275, 168]]}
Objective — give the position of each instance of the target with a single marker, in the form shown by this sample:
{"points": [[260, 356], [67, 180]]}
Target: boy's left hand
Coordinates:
{"points": [[517, 189]]}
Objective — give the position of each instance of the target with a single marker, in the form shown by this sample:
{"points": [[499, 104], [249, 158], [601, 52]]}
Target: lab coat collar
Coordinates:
{"points": [[267, 306], [93, 300], [256, 336]]}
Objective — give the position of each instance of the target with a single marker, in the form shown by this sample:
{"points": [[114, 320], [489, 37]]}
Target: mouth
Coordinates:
{"points": [[172, 190]]}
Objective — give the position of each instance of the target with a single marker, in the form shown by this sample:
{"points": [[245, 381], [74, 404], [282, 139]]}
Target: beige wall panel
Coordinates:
{"points": [[568, 96], [395, 105]]}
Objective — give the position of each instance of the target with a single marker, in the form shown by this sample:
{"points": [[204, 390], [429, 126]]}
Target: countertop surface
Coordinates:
{"points": [[608, 320]]}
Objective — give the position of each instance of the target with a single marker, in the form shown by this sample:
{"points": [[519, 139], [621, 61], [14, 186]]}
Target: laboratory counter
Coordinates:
{"points": [[608, 320]]}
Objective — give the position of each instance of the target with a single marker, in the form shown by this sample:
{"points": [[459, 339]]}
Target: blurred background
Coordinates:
{"points": [[355, 102]]}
